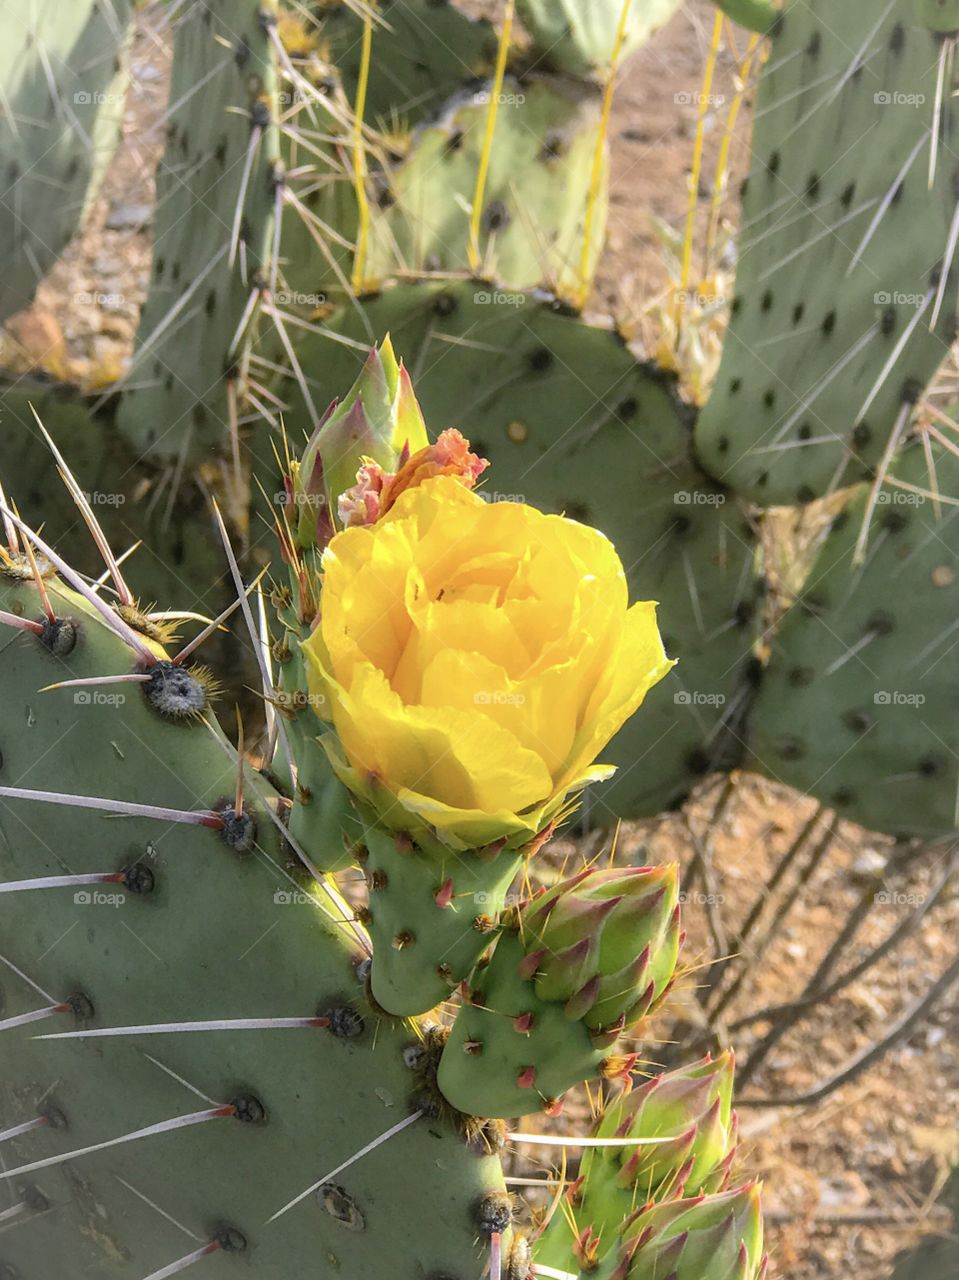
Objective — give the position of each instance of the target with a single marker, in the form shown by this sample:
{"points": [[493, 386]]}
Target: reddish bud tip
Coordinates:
{"points": [[443, 896], [526, 1078]]}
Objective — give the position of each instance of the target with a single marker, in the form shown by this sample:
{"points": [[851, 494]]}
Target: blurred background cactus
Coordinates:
{"points": [[757, 410]]}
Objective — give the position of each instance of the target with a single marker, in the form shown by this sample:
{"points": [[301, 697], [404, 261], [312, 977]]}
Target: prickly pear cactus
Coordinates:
{"points": [[64, 82], [422, 55], [125, 495], [569, 974], [164, 924], [684, 1133], [845, 290], [216, 196], [197, 1026], [573, 423], [531, 230], [580, 38], [856, 704]]}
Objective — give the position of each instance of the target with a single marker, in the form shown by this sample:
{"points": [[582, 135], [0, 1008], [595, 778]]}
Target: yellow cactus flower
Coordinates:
{"points": [[474, 659]]}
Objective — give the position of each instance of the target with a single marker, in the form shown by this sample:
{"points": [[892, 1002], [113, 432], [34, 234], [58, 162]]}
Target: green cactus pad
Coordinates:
{"points": [[56, 142], [431, 913], [485, 1056], [123, 492], [222, 92], [576, 37], [570, 972], [422, 54], [754, 15], [572, 422], [939, 15], [841, 316], [531, 230], [205, 927], [858, 703]]}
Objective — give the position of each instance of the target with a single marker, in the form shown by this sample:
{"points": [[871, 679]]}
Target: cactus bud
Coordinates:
{"points": [[608, 943], [708, 1238], [376, 426]]}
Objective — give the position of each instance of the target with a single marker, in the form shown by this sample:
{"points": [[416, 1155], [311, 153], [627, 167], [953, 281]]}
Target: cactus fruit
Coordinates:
{"points": [[707, 1238], [193, 922], [573, 423], [570, 972], [59, 130], [685, 1132], [846, 282], [221, 157], [856, 704], [580, 38]]}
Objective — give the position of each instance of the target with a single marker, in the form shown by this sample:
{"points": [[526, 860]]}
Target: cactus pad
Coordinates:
{"points": [[205, 923], [579, 38], [857, 705], [532, 226], [846, 284], [219, 158], [58, 136], [422, 54]]}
